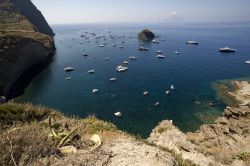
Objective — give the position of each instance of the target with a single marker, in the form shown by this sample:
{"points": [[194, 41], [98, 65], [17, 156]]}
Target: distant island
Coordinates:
{"points": [[146, 35]]}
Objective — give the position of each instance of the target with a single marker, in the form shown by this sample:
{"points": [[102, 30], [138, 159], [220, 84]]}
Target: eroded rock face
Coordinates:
{"points": [[146, 35], [219, 143]]}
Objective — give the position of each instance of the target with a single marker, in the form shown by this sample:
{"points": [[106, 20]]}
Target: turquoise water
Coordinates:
{"points": [[192, 72]]}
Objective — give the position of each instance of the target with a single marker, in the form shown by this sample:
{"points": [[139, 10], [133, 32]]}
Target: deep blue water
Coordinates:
{"points": [[192, 73]]}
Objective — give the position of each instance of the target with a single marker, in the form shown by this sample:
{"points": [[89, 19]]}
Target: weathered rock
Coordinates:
{"points": [[67, 150], [146, 35]]}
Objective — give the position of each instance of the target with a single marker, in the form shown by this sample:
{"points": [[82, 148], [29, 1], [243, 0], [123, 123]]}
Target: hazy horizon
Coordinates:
{"points": [[159, 11]]}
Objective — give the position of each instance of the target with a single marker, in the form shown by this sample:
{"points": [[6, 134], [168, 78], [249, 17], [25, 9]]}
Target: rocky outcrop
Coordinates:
{"points": [[224, 142], [29, 10], [146, 35], [25, 40]]}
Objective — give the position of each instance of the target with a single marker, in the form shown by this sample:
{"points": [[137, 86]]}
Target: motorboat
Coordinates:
{"points": [[121, 47], [101, 45], [69, 69], [226, 50], [247, 62], [172, 87], [155, 41], [145, 93], [113, 79], [176, 52], [91, 71], [132, 58], [119, 114], [125, 62], [167, 92], [95, 90], [107, 58], [159, 52], [143, 49], [157, 103], [160, 56], [85, 54], [121, 68], [68, 78]]}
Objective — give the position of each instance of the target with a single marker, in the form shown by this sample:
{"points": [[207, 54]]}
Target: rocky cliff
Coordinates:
{"points": [[224, 142], [25, 40]]}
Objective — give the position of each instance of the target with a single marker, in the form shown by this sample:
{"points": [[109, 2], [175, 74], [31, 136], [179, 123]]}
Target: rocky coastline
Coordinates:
{"points": [[25, 41]]}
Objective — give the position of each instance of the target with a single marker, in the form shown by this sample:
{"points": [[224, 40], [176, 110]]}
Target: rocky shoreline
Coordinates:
{"points": [[224, 142]]}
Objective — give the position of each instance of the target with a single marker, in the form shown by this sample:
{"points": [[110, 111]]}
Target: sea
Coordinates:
{"points": [[192, 72]]}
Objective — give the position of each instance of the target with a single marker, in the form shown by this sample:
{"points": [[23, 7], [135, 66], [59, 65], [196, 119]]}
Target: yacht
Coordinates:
{"points": [[160, 56], [247, 62], [112, 79], [118, 114], [157, 103], [143, 49], [145, 93], [68, 78], [69, 69], [125, 62], [156, 41], [226, 50], [101, 45], [121, 68], [159, 52], [91, 71], [192, 42], [95, 90], [132, 58]]}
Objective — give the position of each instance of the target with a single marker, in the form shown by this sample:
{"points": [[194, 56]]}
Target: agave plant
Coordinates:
{"points": [[62, 136]]}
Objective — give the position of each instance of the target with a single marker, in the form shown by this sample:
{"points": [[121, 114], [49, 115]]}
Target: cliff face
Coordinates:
{"points": [[25, 40], [29, 10]]}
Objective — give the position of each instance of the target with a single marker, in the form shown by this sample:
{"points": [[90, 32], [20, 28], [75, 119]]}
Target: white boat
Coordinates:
{"points": [[172, 87], [145, 93], [118, 114], [157, 103], [113, 79], [132, 58], [143, 49], [68, 78], [176, 52], [125, 62], [192, 42], [247, 62], [121, 68], [107, 58], [160, 56], [226, 50], [95, 90], [121, 47], [85, 54], [101, 45], [69, 69], [91, 71], [159, 52], [156, 41], [114, 44], [167, 92]]}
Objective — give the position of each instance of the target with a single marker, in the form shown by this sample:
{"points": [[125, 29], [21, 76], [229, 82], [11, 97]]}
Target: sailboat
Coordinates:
{"points": [[192, 42]]}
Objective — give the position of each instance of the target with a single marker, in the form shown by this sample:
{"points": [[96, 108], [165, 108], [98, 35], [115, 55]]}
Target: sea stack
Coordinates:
{"points": [[146, 35]]}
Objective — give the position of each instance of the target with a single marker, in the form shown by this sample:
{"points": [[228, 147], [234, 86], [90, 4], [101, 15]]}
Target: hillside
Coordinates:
{"points": [[25, 40]]}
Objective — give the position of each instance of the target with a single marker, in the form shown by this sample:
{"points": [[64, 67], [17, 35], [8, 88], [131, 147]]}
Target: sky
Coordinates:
{"points": [[142, 11]]}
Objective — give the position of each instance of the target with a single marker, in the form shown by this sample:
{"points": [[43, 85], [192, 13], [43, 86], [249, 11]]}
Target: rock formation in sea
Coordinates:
{"points": [[25, 40], [146, 35]]}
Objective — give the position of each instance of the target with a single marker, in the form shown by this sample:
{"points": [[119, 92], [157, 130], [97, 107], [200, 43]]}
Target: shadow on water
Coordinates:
{"points": [[24, 80]]}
